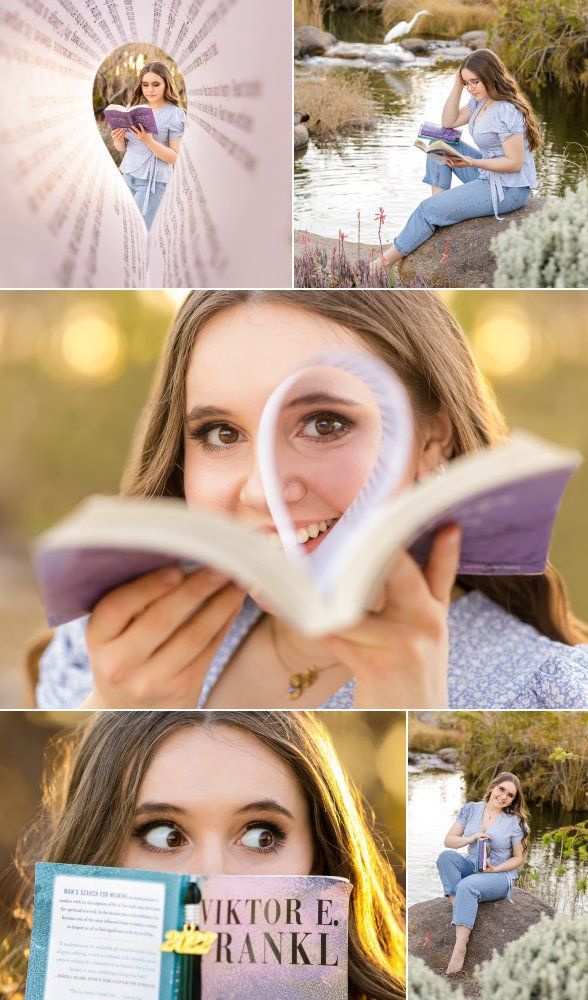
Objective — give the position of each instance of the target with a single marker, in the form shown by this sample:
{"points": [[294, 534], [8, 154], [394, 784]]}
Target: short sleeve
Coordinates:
{"points": [[517, 834], [65, 677], [465, 813], [177, 124], [510, 121], [561, 681]]}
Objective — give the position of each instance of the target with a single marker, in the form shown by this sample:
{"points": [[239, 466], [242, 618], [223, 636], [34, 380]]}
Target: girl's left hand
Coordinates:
{"points": [[399, 656], [489, 867], [142, 135], [460, 161]]}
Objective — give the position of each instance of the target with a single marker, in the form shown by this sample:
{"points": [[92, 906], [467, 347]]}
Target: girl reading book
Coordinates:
{"points": [[149, 159], [500, 819], [231, 793], [170, 640], [497, 176]]}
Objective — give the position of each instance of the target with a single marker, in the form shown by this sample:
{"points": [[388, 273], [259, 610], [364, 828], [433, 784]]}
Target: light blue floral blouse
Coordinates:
{"points": [[504, 831], [140, 161], [495, 661], [498, 123]]}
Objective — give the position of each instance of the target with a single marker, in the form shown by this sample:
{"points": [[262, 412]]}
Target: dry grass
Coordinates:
{"points": [[308, 12], [425, 738], [447, 19], [339, 103]]}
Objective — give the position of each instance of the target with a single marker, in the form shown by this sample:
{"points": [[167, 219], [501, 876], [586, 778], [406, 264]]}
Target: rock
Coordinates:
{"points": [[309, 41], [300, 118], [475, 39], [448, 755], [301, 136], [431, 936], [459, 256], [453, 53], [418, 46], [412, 758]]}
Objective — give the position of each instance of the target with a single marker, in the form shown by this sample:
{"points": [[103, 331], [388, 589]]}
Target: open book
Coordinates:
{"points": [[505, 500], [428, 130], [68, 218], [438, 148], [117, 116], [106, 934]]}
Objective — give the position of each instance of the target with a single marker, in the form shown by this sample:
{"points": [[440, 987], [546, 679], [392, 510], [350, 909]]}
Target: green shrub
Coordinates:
{"points": [[549, 249], [549, 962], [427, 985], [545, 41]]}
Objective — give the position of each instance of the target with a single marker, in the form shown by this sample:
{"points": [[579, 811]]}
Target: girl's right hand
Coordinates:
{"points": [[458, 80], [478, 836], [118, 133], [151, 641]]}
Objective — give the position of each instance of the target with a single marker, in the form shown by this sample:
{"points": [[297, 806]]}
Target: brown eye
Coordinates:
{"points": [[259, 838], [228, 435], [163, 837], [327, 426]]}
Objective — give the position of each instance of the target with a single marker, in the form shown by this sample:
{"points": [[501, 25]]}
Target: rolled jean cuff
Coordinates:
{"points": [[462, 923], [396, 247]]}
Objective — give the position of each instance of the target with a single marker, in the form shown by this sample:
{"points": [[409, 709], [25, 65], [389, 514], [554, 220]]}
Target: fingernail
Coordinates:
{"points": [[172, 575]]}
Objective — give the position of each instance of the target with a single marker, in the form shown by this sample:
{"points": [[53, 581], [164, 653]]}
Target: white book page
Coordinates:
{"points": [[68, 217], [105, 936]]}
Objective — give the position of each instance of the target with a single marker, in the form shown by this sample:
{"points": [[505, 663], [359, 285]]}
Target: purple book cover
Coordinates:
{"points": [[505, 531], [113, 933], [482, 854], [136, 116], [431, 131]]}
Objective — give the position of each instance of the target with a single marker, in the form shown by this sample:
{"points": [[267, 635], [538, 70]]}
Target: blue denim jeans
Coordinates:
{"points": [[460, 879], [138, 189], [469, 200]]}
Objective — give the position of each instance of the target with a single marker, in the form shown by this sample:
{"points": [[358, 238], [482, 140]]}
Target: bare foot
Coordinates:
{"points": [[456, 961], [387, 259]]}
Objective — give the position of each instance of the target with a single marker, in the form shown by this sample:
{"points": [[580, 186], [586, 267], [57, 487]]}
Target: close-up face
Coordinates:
{"points": [[218, 802], [503, 795], [328, 433], [153, 87], [474, 85]]}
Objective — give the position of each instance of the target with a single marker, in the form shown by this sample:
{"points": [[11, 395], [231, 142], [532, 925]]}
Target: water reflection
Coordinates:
{"points": [[434, 799], [383, 168]]}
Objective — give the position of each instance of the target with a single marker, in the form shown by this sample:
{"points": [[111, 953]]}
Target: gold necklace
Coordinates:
{"points": [[299, 679]]}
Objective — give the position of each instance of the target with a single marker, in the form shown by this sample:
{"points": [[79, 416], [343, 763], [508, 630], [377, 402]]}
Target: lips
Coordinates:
{"points": [[309, 536]]}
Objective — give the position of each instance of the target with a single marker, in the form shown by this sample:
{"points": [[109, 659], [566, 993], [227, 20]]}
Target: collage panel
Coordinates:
{"points": [[349, 526], [199, 855], [497, 838]]}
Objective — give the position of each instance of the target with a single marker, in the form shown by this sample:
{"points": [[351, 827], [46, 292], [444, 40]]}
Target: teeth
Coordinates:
{"points": [[323, 526], [302, 536], [313, 530]]}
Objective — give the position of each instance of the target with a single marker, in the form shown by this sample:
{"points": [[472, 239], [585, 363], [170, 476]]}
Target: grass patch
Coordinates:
{"points": [[546, 40], [308, 12], [426, 738], [446, 19], [338, 103]]}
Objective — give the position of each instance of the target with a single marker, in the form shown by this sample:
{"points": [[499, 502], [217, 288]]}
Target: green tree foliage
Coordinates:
{"points": [[545, 42]]}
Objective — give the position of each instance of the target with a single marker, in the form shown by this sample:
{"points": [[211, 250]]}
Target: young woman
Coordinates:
{"points": [[500, 819], [171, 641], [278, 803], [498, 175], [149, 159]]}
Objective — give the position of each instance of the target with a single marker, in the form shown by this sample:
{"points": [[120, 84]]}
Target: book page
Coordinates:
{"points": [[105, 939], [69, 219]]}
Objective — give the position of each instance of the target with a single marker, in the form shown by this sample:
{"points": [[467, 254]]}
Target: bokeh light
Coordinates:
{"points": [[503, 341], [91, 344]]}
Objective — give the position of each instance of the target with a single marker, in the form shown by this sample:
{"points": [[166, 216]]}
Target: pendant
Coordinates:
{"points": [[300, 681]]}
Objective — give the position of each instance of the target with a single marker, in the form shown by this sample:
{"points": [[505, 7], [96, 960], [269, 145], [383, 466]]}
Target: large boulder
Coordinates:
{"points": [[459, 256], [475, 39], [448, 754], [309, 41], [418, 46], [301, 136], [432, 937]]}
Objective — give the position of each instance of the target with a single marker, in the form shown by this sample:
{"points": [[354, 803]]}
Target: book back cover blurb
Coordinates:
{"points": [[118, 934]]}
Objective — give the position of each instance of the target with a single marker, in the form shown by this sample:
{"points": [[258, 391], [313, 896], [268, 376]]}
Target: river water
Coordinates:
{"points": [[381, 168], [434, 799]]}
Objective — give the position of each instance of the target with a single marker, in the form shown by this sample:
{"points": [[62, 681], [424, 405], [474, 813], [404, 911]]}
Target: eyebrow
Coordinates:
{"points": [[202, 412], [159, 807], [265, 805], [309, 399]]}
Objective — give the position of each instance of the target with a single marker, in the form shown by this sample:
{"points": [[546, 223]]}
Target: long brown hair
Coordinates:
{"points": [[412, 331], [170, 92], [502, 86], [89, 806], [518, 806]]}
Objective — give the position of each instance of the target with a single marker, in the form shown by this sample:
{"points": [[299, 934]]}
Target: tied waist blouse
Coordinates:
{"points": [[141, 162], [501, 120], [504, 832]]}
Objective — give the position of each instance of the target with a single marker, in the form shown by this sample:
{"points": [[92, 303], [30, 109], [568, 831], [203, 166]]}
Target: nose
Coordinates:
{"points": [[213, 856], [252, 493]]}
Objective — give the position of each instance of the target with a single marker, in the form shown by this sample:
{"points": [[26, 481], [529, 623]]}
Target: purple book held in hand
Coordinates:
{"points": [[431, 131], [119, 117], [482, 856]]}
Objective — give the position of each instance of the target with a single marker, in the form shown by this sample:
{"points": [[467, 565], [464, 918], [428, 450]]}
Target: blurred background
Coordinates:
{"points": [[75, 370], [370, 745], [453, 756], [116, 79]]}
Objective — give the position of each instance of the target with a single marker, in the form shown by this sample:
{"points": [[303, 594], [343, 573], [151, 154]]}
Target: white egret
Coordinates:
{"points": [[403, 27]]}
